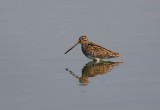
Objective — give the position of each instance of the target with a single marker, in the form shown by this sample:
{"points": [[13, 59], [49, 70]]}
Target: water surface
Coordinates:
{"points": [[34, 34]]}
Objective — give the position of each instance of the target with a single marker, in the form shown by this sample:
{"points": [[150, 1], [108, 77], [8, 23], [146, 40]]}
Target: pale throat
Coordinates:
{"points": [[85, 43]]}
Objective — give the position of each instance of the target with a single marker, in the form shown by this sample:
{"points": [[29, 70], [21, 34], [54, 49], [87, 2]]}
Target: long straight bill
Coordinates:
{"points": [[71, 48]]}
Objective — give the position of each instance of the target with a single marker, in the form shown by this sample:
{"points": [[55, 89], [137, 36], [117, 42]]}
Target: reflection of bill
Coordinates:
{"points": [[92, 69]]}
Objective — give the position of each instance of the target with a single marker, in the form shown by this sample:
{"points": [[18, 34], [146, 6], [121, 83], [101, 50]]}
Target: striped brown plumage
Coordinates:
{"points": [[94, 51]]}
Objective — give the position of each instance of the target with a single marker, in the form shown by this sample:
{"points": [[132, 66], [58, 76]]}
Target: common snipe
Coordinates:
{"points": [[94, 51]]}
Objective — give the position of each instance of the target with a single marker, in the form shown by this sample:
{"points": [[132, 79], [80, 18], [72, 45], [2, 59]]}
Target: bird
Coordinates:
{"points": [[94, 51]]}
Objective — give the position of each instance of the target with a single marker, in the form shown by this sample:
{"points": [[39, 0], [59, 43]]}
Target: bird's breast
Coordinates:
{"points": [[87, 52]]}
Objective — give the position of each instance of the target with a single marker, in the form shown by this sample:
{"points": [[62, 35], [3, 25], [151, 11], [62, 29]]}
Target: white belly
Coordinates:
{"points": [[89, 55]]}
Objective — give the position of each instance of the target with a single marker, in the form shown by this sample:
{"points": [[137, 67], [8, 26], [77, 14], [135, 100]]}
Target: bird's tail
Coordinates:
{"points": [[117, 55]]}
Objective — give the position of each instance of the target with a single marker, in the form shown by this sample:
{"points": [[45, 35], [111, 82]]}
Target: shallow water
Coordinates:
{"points": [[36, 74]]}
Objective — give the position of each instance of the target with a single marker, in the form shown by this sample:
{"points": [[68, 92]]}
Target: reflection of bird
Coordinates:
{"points": [[91, 69], [94, 51]]}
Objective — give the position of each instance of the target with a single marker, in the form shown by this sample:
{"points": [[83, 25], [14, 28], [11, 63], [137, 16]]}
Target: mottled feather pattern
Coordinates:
{"points": [[99, 51], [94, 51]]}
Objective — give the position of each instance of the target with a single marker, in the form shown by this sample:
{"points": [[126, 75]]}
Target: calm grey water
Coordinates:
{"points": [[34, 34]]}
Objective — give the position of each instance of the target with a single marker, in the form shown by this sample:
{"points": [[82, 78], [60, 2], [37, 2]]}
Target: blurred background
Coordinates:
{"points": [[34, 34]]}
